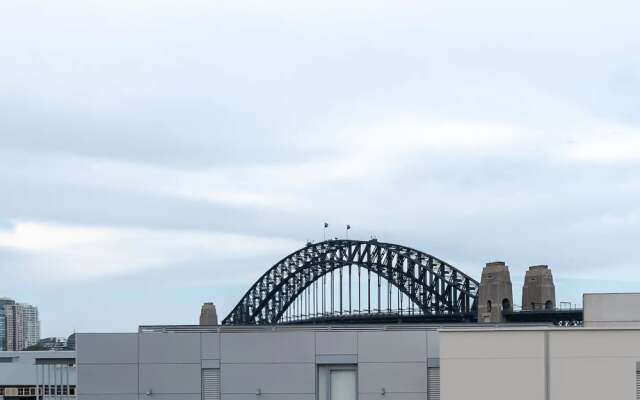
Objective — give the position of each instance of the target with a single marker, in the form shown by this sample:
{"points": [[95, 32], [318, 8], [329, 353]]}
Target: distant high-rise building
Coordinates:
{"points": [[208, 315], [3, 322], [22, 326]]}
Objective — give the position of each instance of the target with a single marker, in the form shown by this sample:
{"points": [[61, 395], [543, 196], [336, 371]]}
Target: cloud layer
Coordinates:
{"points": [[190, 147]]}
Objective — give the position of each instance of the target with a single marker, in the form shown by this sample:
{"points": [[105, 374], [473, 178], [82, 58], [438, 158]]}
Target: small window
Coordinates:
{"points": [[533, 306], [489, 306], [548, 305], [506, 305]]}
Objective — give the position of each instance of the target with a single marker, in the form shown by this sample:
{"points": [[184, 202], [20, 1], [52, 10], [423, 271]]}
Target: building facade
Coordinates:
{"points": [[540, 364], [34, 375], [53, 343], [600, 360], [22, 326], [3, 322], [274, 363]]}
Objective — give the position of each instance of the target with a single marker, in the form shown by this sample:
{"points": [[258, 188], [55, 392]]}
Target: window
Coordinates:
{"points": [[548, 305], [489, 306], [337, 382]]}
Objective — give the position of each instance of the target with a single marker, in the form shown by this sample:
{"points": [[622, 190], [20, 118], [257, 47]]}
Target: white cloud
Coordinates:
{"points": [[53, 253], [618, 147], [380, 150]]}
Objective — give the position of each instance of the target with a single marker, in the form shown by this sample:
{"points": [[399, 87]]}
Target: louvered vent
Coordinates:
{"points": [[637, 385], [211, 384], [433, 383]]}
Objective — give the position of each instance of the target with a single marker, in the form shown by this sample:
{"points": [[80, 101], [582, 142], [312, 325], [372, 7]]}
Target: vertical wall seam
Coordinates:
{"points": [[138, 348], [426, 383], [547, 366]]}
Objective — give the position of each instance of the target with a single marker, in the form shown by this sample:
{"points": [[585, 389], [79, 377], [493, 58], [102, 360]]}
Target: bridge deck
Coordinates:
{"points": [[573, 316]]}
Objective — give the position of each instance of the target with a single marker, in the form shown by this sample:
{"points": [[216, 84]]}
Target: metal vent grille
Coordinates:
{"points": [[433, 383], [211, 384], [637, 385]]}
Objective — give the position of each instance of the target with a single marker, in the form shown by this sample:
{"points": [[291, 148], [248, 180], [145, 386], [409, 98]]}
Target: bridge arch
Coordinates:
{"points": [[435, 287]]}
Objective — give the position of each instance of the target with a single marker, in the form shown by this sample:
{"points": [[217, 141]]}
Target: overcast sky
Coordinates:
{"points": [[155, 155]]}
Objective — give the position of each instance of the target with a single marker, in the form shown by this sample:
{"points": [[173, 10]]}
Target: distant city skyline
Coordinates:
{"points": [[19, 325], [155, 156]]}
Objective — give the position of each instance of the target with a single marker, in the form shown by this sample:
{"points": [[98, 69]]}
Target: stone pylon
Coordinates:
{"points": [[538, 292], [495, 293], [208, 314]]}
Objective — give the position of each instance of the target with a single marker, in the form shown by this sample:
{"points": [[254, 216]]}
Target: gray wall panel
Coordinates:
{"points": [[433, 344], [336, 343], [407, 346], [210, 346], [394, 377], [252, 396], [172, 397], [272, 347], [170, 348], [108, 379], [270, 378], [395, 396], [105, 348], [170, 378], [211, 364]]}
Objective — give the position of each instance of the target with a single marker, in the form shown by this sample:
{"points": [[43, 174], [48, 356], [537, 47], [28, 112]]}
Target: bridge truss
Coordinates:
{"points": [[357, 281]]}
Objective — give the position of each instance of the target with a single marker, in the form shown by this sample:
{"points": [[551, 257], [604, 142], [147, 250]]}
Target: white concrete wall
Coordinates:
{"points": [[593, 364], [496, 365], [611, 310], [541, 364]]}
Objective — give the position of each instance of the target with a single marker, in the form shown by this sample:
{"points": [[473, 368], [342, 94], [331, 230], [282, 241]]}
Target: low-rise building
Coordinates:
{"points": [[33, 375], [369, 362]]}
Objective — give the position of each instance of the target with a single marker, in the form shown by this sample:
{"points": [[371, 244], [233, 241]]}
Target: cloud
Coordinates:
{"points": [[57, 254], [152, 138], [617, 146]]}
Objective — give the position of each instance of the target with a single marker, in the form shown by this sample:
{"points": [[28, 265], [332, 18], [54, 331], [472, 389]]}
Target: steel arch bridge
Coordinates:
{"points": [[357, 281]]}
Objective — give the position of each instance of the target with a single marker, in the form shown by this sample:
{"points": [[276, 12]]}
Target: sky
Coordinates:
{"points": [[155, 155]]}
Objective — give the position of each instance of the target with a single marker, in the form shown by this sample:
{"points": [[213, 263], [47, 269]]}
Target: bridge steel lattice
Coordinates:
{"points": [[355, 280]]}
